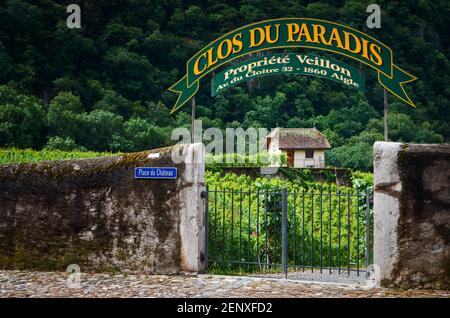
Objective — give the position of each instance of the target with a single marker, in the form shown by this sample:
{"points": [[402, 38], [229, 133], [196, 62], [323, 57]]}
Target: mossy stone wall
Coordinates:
{"points": [[94, 213]]}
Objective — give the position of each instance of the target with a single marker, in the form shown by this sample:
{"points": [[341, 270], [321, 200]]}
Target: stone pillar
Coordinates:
{"points": [[192, 211], [412, 215]]}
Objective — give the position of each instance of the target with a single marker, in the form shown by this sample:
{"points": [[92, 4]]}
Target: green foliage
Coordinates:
{"points": [[124, 58], [21, 119], [215, 162], [302, 176], [245, 222], [362, 181], [64, 122], [142, 135], [67, 101], [114, 103], [263, 115], [67, 144], [102, 127], [356, 153], [13, 155]]}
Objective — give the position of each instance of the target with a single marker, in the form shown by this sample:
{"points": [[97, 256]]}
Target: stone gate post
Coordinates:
{"points": [[412, 215]]}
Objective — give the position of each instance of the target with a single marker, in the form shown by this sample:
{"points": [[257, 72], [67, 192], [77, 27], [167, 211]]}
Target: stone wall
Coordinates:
{"points": [[412, 215], [93, 213]]}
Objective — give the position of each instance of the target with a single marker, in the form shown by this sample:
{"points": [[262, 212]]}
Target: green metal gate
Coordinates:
{"points": [[288, 232]]}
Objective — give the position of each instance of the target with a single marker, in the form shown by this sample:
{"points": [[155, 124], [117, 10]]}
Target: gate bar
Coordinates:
{"points": [[257, 231], [312, 231], [339, 231], [303, 230], [266, 235], [295, 230], [248, 237], [215, 225], [321, 236], [329, 231], [357, 234], [223, 227], [240, 229], [284, 230], [367, 231], [349, 199], [232, 223], [206, 225]]}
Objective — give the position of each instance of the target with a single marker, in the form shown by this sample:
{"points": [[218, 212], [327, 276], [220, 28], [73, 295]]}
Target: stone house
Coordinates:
{"points": [[303, 147]]}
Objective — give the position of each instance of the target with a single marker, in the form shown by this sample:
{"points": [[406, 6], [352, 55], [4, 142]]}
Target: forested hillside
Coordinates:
{"points": [[104, 87]]}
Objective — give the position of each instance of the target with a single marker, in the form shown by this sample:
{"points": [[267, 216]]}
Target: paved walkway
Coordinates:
{"points": [[54, 284]]}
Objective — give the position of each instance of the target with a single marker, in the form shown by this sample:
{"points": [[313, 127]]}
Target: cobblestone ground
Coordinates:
{"points": [[42, 284]]}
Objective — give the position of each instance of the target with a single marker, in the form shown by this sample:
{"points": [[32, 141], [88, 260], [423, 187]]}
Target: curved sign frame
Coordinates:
{"points": [[294, 33]]}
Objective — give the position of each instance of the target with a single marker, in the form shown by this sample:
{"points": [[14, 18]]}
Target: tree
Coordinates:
{"points": [[196, 18], [100, 127], [114, 103], [142, 135], [22, 120], [400, 127], [158, 114], [64, 144], [356, 153], [126, 56], [296, 122], [67, 101], [267, 112], [117, 34], [129, 71], [64, 118], [356, 156], [6, 64], [304, 107]]}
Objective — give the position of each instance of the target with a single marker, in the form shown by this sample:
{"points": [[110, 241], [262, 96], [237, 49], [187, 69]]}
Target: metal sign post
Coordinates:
{"points": [[193, 120], [386, 115]]}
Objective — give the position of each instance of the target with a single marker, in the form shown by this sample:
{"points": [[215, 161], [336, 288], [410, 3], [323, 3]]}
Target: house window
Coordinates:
{"points": [[309, 153]]}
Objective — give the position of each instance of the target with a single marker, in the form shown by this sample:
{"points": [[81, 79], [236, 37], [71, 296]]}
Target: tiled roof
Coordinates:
{"points": [[300, 138]]}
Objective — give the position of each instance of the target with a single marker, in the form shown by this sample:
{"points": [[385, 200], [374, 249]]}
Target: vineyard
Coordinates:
{"points": [[326, 224], [12, 155]]}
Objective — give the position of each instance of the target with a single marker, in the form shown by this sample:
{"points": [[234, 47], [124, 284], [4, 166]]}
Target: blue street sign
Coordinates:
{"points": [[155, 173]]}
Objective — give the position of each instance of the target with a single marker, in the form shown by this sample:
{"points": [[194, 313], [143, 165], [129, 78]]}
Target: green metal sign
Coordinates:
{"points": [[294, 33], [305, 64]]}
